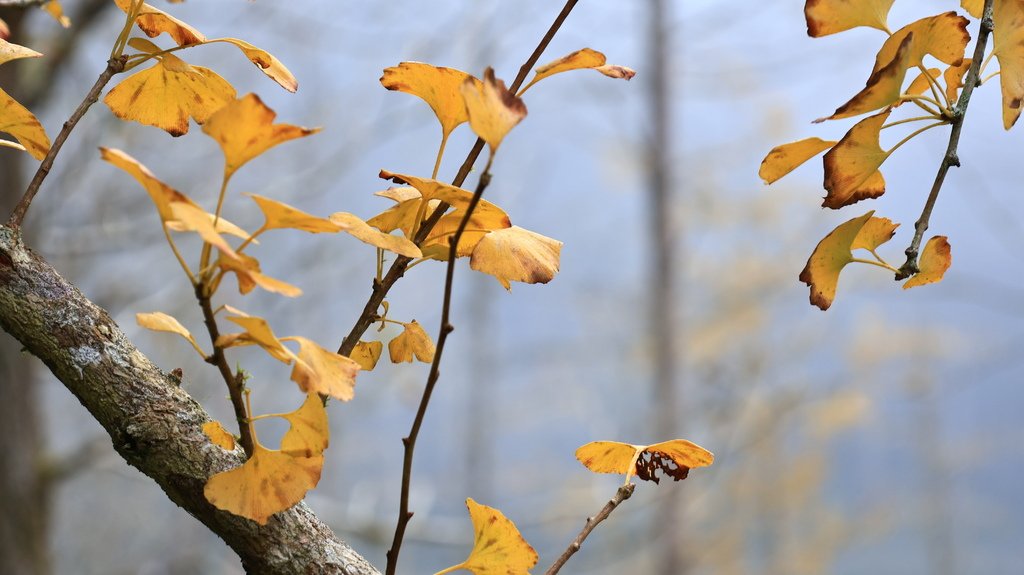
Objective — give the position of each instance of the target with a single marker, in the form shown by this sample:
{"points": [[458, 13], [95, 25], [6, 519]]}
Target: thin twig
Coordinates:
{"points": [[621, 495], [114, 65], [950, 158], [404, 515], [382, 286], [234, 381]]}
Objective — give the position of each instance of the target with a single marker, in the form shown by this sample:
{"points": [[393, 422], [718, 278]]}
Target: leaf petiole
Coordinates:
{"points": [[874, 263]]}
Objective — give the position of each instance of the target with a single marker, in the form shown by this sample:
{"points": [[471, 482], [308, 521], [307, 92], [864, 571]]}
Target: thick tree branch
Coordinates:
{"points": [[621, 495], [154, 425]]}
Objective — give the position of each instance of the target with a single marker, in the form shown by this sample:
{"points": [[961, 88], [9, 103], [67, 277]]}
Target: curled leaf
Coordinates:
{"points": [[265, 61], [412, 342], [943, 36], [935, 260], [190, 218], [954, 79], [154, 22], [56, 11], [245, 128], [851, 166], [247, 270], [1008, 48], [580, 59], [829, 258], [493, 110], [159, 321], [10, 52], [787, 157], [257, 332]]}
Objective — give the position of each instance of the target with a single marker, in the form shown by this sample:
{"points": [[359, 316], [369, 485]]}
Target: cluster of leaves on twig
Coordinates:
{"points": [[428, 220], [851, 165]]}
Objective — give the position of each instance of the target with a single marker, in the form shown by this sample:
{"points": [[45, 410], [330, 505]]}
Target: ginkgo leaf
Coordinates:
{"points": [[826, 17], [398, 217], [159, 321], [309, 433], [439, 87], [883, 88], [935, 260], [356, 227], [829, 258], [257, 332], [427, 187], [247, 270], [852, 164], [493, 110], [324, 372], [268, 483], [1008, 48], [367, 353], [875, 232], [218, 435], [943, 36], [279, 215], [675, 458], [265, 61], [155, 22], [580, 59], [921, 83], [167, 94], [245, 128], [10, 52], [954, 79], [517, 254], [484, 219], [973, 7], [498, 547], [190, 218], [56, 11], [412, 342], [787, 157], [17, 121]]}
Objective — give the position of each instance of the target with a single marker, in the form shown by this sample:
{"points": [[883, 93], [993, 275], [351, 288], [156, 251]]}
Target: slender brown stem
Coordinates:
{"points": [[114, 65], [950, 158], [621, 495], [234, 381], [404, 515]]}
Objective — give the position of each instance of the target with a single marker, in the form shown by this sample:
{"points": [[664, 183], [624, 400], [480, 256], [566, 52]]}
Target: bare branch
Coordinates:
{"points": [[621, 495]]}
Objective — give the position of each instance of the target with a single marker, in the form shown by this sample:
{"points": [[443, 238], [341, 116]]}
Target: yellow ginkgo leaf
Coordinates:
{"points": [[485, 218], [973, 7], [190, 218], [954, 79], [935, 260], [412, 342], [247, 270], [265, 61], [829, 258], [608, 456], [943, 36], [318, 370], [161, 194], [517, 254], [580, 59], [167, 94], [10, 52], [921, 83], [257, 332], [493, 110], [875, 232], [17, 121], [366, 354], [218, 435], [308, 434], [427, 187], [852, 164], [787, 157], [155, 22], [159, 321], [674, 458], [398, 217], [56, 11], [1008, 48], [826, 17], [356, 227], [268, 483], [245, 128], [279, 215], [439, 87], [883, 88], [498, 547]]}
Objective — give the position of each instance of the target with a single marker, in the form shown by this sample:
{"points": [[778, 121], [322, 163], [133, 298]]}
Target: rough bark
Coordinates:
{"points": [[153, 424]]}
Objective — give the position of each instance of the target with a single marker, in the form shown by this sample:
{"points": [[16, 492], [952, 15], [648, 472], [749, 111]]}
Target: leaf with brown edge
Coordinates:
{"points": [[439, 87], [486, 217], [279, 215], [427, 187], [517, 254], [357, 228], [493, 110], [366, 354], [247, 269], [412, 342], [56, 11], [883, 88], [580, 60], [675, 458], [324, 372], [954, 79], [17, 121], [826, 17], [943, 36], [308, 433], [218, 435], [851, 166], [167, 94], [10, 52], [788, 157], [159, 321], [265, 61], [154, 22], [257, 332], [498, 547], [935, 260], [829, 258], [973, 7], [875, 232], [1008, 48], [245, 128]]}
